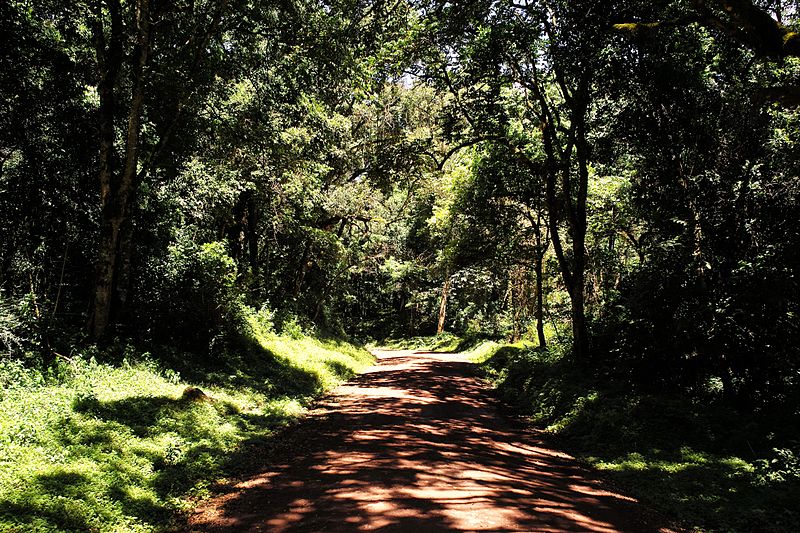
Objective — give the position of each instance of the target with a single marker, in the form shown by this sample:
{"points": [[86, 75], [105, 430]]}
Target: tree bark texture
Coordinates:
{"points": [[443, 306], [540, 301], [117, 189]]}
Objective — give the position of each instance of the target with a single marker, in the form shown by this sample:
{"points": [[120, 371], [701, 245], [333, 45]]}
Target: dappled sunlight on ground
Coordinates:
{"points": [[415, 444]]}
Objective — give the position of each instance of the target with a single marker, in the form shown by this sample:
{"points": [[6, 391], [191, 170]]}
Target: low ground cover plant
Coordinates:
{"points": [[127, 445]]}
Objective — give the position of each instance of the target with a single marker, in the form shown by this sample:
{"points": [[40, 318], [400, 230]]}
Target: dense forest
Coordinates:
{"points": [[613, 188]]}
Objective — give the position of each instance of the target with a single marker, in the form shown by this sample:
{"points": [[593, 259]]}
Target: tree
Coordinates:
{"points": [[540, 47], [194, 31]]}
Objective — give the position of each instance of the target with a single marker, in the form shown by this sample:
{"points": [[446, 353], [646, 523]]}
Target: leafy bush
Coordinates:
{"points": [[783, 466], [196, 302], [292, 325], [261, 321], [15, 375], [10, 325]]}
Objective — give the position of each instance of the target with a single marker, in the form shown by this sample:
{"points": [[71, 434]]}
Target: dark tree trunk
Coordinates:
{"points": [[252, 231], [237, 231], [109, 273], [514, 301], [243, 232], [117, 191], [580, 331], [540, 301], [122, 288], [302, 270]]}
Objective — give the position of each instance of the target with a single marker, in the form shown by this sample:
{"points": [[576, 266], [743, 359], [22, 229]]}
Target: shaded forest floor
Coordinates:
{"points": [[416, 444]]}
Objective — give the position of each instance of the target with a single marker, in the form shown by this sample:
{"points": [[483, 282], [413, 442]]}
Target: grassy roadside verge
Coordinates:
{"points": [[703, 466], [445, 342], [96, 446]]}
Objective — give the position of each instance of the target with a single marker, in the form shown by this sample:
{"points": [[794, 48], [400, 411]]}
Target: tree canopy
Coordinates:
{"points": [[618, 176]]}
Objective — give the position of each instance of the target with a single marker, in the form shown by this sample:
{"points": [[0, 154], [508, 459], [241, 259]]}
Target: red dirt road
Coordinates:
{"points": [[416, 444]]}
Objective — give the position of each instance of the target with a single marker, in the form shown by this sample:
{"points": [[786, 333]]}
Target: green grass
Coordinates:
{"points": [[703, 466], [445, 342], [114, 447]]}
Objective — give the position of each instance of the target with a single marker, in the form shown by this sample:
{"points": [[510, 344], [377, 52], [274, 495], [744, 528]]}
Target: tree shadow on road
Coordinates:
{"points": [[417, 446]]}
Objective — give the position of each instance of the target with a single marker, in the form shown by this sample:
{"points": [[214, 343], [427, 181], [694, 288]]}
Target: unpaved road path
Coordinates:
{"points": [[416, 444]]}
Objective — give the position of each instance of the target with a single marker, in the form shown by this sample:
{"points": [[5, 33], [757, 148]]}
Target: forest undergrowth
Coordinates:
{"points": [[122, 440]]}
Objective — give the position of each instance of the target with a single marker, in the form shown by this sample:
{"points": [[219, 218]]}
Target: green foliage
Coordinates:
{"points": [[99, 447], [783, 467], [15, 375], [197, 294], [262, 321], [291, 326], [22, 325], [10, 325]]}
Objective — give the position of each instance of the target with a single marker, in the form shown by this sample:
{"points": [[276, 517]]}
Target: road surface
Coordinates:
{"points": [[416, 444]]}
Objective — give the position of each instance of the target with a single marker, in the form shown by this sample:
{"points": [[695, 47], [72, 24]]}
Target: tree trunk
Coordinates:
{"points": [[106, 276], [302, 270], [540, 302], [119, 303], [237, 231], [108, 55], [252, 231], [514, 302], [117, 191], [443, 306], [580, 331]]}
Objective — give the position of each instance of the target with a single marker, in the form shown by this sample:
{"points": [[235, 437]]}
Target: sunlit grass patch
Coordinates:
{"points": [[651, 461], [444, 342], [481, 352], [330, 361], [117, 447]]}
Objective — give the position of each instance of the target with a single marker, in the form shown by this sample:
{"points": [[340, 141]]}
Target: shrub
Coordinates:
{"points": [[196, 302]]}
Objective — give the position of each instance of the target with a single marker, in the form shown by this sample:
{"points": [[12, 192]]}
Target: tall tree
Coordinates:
{"points": [[133, 44], [538, 46]]}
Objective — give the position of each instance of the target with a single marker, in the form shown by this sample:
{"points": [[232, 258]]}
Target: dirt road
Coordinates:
{"points": [[415, 444]]}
